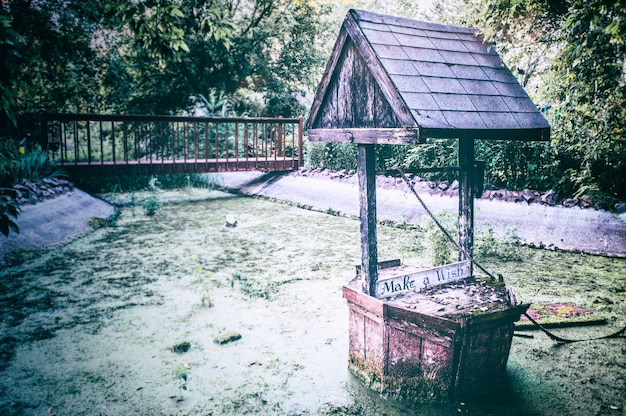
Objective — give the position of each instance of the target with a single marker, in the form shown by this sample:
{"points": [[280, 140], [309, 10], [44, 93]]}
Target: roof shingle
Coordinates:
{"points": [[447, 78]]}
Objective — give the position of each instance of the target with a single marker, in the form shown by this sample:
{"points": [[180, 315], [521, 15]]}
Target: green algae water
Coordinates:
{"points": [[92, 326]]}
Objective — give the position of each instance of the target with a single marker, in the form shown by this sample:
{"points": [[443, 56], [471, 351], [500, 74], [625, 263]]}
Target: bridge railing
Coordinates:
{"points": [[124, 144]]}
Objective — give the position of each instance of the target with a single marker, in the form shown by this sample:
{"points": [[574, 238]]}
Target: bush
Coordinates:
{"points": [[130, 183], [16, 168], [489, 246], [334, 156], [9, 211], [439, 245], [32, 166]]}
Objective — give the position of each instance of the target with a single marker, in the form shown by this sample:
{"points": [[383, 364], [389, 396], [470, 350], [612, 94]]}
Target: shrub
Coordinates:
{"points": [[33, 166], [438, 243], [152, 205], [489, 246], [9, 210]]}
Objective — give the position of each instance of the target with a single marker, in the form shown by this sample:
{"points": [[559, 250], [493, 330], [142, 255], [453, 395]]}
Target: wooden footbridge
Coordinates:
{"points": [[100, 144]]}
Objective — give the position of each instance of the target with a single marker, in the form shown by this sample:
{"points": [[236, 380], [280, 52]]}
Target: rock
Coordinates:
{"points": [[231, 221], [181, 347], [620, 207], [454, 185], [226, 337], [51, 182], [496, 194], [549, 198], [444, 185], [527, 195], [512, 196], [12, 193], [340, 174], [570, 202], [585, 203]]}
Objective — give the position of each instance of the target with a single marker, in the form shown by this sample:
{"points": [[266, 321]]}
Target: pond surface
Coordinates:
{"points": [[103, 324]]}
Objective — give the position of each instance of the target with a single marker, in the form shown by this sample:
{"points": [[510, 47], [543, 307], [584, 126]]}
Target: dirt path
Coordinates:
{"points": [[99, 325]]}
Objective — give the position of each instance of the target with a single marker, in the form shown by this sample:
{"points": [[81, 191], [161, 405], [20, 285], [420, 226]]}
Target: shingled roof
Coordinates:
{"points": [[396, 80]]}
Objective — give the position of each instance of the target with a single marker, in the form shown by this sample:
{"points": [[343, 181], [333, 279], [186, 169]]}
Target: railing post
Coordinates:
{"points": [[300, 149], [43, 133]]}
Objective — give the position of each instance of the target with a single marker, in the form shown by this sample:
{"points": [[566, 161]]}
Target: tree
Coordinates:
{"points": [[153, 56], [222, 46], [570, 57], [9, 57]]}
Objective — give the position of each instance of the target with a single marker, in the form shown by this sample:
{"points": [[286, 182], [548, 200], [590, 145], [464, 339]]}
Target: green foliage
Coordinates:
{"points": [[267, 47], [152, 205], [61, 59], [115, 184], [33, 166], [14, 169], [9, 58], [489, 246], [251, 288], [180, 373], [569, 55], [436, 153], [438, 244], [518, 165], [335, 156], [9, 210], [157, 56]]}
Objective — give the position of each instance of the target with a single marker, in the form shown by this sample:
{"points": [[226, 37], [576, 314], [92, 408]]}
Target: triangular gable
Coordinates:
{"points": [[437, 81], [353, 98]]}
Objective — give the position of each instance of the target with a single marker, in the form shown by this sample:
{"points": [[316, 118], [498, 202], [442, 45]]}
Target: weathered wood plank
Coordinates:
{"points": [[367, 200], [353, 295], [466, 199], [382, 265], [366, 136], [331, 65], [391, 94], [415, 281], [346, 116]]}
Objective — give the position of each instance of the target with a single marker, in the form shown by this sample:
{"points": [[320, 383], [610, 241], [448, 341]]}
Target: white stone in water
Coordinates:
{"points": [[231, 221]]}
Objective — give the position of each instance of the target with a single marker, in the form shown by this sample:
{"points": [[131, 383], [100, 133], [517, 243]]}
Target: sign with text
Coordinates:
{"points": [[415, 281]]}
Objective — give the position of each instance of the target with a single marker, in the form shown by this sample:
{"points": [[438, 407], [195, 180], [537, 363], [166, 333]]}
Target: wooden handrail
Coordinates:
{"points": [[177, 144]]}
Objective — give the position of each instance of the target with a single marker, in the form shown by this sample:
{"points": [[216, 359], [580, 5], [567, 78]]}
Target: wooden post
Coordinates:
{"points": [[466, 197], [367, 200]]}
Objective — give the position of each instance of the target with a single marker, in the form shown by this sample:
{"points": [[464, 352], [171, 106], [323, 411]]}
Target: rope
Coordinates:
{"points": [[551, 335], [560, 340], [441, 227]]}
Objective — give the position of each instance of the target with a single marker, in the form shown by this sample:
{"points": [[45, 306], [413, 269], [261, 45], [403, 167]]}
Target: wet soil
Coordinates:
{"points": [[129, 319]]}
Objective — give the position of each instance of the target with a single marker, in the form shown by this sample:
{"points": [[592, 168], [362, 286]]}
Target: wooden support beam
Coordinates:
{"points": [[367, 200], [466, 197], [366, 135]]}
